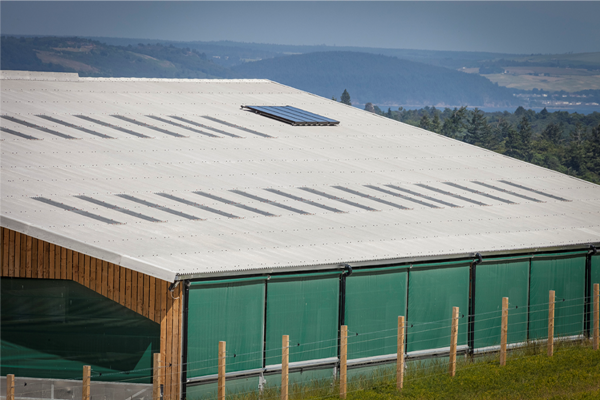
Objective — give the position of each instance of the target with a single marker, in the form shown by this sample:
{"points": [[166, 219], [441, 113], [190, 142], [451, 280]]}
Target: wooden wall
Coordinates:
{"points": [[27, 257]]}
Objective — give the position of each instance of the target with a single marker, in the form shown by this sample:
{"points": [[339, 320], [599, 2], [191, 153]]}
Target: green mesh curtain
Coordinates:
{"points": [[433, 292], [306, 309], [52, 328], [374, 301], [231, 312], [495, 280], [565, 274]]}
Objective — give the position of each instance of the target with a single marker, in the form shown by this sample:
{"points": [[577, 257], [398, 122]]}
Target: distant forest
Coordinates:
{"points": [[560, 141], [94, 59], [388, 79]]}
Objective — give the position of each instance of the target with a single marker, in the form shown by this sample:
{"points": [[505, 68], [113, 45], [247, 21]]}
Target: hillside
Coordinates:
{"points": [[377, 78], [93, 59]]}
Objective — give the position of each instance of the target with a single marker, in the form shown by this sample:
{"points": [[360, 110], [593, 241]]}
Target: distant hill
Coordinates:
{"points": [[94, 59], [379, 79]]}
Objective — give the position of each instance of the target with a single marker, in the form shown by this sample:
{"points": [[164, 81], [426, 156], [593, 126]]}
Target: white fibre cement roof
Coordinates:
{"points": [[281, 198]]}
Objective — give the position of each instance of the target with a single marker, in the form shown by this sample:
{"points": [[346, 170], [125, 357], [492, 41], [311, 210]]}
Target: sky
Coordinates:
{"points": [[505, 27]]}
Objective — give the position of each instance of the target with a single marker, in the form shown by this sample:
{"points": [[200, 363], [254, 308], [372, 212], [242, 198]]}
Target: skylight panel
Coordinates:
{"points": [[291, 115]]}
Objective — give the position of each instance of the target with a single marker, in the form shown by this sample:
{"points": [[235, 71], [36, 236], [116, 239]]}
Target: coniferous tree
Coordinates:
{"points": [[425, 122], [552, 133], [345, 98], [454, 126], [435, 125], [479, 132]]}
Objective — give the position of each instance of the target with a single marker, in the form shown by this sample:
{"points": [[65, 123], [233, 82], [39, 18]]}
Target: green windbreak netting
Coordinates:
{"points": [[433, 292], [374, 301], [52, 328], [232, 313], [493, 282], [306, 309], [565, 275]]}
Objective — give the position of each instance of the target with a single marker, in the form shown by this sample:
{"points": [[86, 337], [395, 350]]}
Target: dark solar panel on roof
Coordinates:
{"points": [[291, 115]]}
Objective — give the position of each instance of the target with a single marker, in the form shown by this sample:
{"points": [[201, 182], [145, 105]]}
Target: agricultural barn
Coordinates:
{"points": [[164, 215]]}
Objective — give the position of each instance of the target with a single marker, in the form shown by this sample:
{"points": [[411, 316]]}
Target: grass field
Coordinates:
{"points": [[572, 373], [574, 82]]}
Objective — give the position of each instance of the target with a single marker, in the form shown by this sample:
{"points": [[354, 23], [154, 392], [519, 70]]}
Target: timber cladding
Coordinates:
{"points": [[26, 257]]}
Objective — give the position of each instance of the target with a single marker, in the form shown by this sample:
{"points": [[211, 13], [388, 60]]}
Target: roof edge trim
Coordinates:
{"points": [[129, 262], [376, 263]]}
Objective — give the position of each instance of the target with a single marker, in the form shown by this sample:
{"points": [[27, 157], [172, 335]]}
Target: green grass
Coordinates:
{"points": [[572, 373]]}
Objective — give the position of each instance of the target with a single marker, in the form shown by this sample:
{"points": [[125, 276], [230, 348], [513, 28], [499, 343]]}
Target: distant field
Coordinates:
{"points": [[566, 82], [589, 59]]}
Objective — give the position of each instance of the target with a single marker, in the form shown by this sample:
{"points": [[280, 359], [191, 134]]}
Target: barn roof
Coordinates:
{"points": [[174, 179]]}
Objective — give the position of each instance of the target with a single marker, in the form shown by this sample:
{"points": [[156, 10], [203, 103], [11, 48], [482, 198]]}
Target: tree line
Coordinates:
{"points": [[560, 141]]}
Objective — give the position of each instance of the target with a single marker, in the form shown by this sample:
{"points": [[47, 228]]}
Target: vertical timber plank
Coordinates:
{"points": [[122, 285], [63, 263], [51, 261], [175, 357], [2, 251], [151, 298], [5, 244], [116, 293], [134, 293], [23, 257], [98, 275], [156, 377], [75, 264], [69, 264], [86, 270], [46, 259], [82, 269], [28, 255], [93, 274], [146, 307], [57, 262], [169, 341], [105, 279], [110, 278], [17, 254], [158, 305], [285, 359], [11, 253], [33, 257], [128, 288], [140, 303], [41, 258]]}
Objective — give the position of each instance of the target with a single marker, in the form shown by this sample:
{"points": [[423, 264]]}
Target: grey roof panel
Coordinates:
{"points": [[366, 154]]}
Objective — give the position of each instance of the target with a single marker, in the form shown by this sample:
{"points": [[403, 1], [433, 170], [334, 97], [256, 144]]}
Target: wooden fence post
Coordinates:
{"points": [[221, 372], [285, 357], [504, 315], [596, 317], [156, 377], [400, 353], [10, 387], [343, 357], [453, 353], [551, 322], [85, 390]]}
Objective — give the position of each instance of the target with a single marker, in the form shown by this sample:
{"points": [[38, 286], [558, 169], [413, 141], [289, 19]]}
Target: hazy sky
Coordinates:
{"points": [[509, 27]]}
